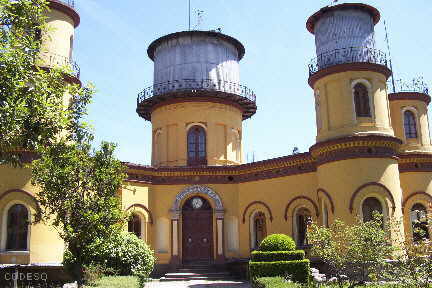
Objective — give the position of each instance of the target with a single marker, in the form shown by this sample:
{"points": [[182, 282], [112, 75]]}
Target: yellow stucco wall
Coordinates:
{"points": [[45, 246], [414, 184], [336, 105], [222, 122], [419, 108]]}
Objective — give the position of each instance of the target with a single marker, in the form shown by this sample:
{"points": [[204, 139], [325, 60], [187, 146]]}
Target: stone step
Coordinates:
{"points": [[192, 274]]}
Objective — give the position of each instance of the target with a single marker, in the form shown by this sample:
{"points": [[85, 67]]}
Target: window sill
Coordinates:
{"points": [[14, 252]]}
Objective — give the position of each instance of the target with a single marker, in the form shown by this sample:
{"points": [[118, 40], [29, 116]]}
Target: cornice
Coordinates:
{"points": [[278, 167], [415, 162]]}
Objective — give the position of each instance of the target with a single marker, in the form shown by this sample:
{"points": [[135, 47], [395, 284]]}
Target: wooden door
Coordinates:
{"points": [[197, 230]]}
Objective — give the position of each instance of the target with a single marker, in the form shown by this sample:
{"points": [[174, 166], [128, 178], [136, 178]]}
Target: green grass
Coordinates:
{"points": [[279, 282], [115, 282]]}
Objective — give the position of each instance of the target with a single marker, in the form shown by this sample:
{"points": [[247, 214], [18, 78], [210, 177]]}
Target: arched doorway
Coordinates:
{"points": [[197, 230]]}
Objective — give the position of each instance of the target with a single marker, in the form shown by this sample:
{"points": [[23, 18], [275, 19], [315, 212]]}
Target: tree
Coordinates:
{"points": [[357, 251], [79, 194], [32, 110], [413, 266]]}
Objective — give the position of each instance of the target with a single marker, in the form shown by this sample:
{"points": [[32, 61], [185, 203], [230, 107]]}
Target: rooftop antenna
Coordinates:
{"points": [[189, 14], [390, 58], [199, 18]]}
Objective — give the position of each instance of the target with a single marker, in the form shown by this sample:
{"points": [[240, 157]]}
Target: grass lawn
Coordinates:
{"points": [[115, 282], [278, 282]]}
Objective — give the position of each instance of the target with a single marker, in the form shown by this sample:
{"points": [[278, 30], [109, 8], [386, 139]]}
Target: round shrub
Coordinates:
{"points": [[277, 242], [121, 254]]}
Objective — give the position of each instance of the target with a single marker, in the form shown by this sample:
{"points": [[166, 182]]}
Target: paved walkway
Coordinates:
{"points": [[198, 284]]}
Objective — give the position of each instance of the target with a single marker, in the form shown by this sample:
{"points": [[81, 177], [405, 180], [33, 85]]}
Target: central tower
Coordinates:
{"points": [[196, 104]]}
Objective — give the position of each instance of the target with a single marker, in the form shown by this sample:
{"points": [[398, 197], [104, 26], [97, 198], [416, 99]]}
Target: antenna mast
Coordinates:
{"points": [[189, 14], [390, 58]]}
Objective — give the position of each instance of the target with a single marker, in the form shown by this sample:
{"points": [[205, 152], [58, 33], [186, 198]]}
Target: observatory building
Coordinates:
{"points": [[200, 202]]}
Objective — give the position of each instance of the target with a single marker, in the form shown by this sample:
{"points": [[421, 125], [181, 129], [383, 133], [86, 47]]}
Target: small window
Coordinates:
{"points": [[17, 228], [134, 225], [197, 146], [361, 100], [410, 125], [371, 206], [71, 44], [419, 222]]}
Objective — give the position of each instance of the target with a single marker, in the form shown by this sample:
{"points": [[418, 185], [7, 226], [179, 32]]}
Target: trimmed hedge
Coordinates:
{"points": [[277, 242], [299, 270], [272, 256]]}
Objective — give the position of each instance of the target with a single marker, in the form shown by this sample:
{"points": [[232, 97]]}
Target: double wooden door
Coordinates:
{"points": [[197, 235]]}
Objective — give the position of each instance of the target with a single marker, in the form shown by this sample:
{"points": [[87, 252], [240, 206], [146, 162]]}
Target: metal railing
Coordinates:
{"points": [[70, 3], [195, 85], [415, 85], [347, 55], [52, 60]]}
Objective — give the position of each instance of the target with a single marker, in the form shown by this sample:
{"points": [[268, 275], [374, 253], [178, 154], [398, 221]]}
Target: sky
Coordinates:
{"points": [[111, 49]]}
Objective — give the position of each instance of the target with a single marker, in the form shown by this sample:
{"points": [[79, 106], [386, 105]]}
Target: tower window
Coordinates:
{"points": [[71, 44], [410, 125], [17, 228], [361, 100], [197, 146]]}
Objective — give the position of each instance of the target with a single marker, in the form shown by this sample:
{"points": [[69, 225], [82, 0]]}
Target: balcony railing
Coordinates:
{"points": [[195, 86], [52, 60], [70, 3], [347, 55], [417, 85]]}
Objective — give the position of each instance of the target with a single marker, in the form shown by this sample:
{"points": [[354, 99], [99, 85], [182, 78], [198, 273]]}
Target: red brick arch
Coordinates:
{"points": [[328, 197], [297, 198], [354, 196], [38, 208], [144, 208], [415, 194], [260, 203]]}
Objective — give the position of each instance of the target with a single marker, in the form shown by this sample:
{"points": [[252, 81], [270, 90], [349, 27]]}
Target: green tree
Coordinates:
{"points": [[32, 110], [357, 251], [79, 194]]}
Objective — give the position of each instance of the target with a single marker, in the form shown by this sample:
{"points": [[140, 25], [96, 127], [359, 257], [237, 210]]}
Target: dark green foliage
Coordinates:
{"points": [[298, 270], [121, 254], [277, 242], [32, 111], [271, 256]]}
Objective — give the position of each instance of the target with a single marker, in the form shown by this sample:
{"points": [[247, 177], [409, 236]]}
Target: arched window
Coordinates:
{"points": [[419, 222], [325, 216], [258, 229], [17, 228], [134, 225], [71, 43], [410, 125], [302, 219], [361, 100], [370, 206], [197, 146]]}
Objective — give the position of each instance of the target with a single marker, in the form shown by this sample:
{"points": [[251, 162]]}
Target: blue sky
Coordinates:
{"points": [[113, 37]]}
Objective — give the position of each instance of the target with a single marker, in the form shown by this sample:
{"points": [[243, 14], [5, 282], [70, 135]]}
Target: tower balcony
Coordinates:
{"points": [[196, 90], [51, 60], [346, 59], [347, 56], [416, 89], [70, 3]]}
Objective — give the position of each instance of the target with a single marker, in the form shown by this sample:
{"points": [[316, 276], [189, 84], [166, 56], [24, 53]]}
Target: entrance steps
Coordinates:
{"points": [[188, 272]]}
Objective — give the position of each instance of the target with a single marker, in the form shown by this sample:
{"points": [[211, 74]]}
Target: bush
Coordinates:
{"points": [[298, 270], [277, 242], [271, 256], [121, 254]]}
